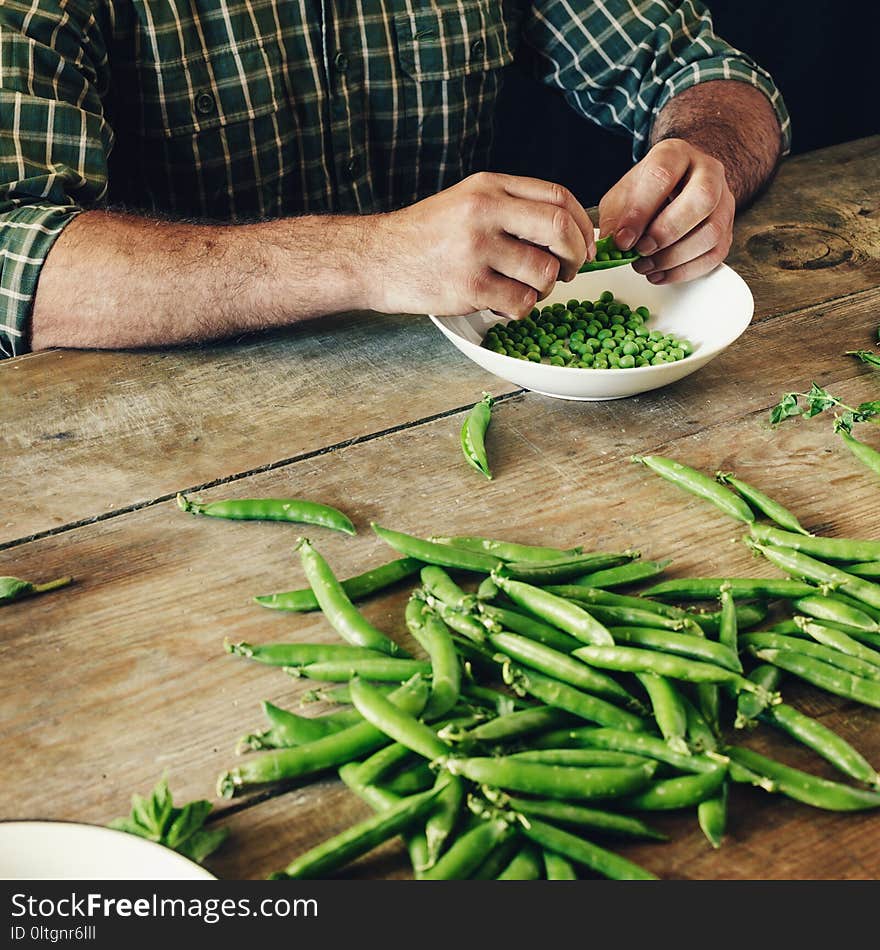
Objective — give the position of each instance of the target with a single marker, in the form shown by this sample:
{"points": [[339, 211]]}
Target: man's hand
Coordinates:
{"points": [[676, 208], [493, 242]]}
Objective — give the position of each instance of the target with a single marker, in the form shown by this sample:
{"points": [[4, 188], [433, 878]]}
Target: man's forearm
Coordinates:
{"points": [[731, 121], [120, 280]]}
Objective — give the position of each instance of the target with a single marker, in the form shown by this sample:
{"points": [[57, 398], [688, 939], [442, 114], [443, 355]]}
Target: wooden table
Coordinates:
{"points": [[123, 677]]}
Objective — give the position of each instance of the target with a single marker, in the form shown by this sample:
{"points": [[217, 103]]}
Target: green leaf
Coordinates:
{"points": [[818, 400], [866, 411], [785, 408], [844, 423], [180, 829], [866, 356], [203, 843], [188, 821], [12, 587]]}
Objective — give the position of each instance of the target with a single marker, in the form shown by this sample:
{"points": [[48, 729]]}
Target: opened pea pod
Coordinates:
{"points": [[473, 435]]}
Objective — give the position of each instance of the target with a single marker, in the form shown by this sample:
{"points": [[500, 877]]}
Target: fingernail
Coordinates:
{"points": [[624, 239], [647, 245], [657, 277], [644, 265]]}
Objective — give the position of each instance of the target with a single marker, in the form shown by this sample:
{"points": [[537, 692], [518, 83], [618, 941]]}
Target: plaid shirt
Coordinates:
{"points": [[236, 109]]}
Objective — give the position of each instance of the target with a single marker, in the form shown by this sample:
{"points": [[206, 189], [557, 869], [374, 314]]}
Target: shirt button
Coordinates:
{"points": [[205, 104], [477, 48], [340, 60], [353, 167]]}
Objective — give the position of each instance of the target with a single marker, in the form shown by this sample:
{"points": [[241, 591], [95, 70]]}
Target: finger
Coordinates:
{"points": [[654, 180], [493, 291], [700, 196], [715, 231], [613, 203], [548, 226], [696, 268], [526, 263], [547, 192]]}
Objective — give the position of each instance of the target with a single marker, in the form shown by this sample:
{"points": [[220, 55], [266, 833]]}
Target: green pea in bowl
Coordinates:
{"points": [[710, 313]]}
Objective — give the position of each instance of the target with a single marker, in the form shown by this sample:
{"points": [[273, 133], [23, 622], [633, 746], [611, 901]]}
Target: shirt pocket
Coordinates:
{"points": [[451, 58], [195, 94]]}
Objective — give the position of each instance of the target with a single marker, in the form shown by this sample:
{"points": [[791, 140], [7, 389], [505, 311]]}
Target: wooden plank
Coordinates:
{"points": [[100, 432], [96, 433], [122, 677], [813, 235]]}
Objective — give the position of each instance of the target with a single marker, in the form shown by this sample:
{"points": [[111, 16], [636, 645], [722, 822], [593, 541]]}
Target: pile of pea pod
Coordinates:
{"points": [[550, 714]]}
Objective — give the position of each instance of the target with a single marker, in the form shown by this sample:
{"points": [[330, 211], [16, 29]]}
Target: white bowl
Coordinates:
{"points": [[710, 312], [64, 850]]}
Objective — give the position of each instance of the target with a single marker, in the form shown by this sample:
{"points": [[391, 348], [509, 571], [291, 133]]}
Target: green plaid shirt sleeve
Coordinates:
{"points": [[53, 143], [232, 110], [619, 62]]}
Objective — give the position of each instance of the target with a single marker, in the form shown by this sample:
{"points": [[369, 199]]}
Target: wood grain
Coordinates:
{"points": [[97, 433], [815, 234], [123, 677], [101, 432]]}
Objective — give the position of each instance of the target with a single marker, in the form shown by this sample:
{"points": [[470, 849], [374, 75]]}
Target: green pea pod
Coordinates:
{"points": [[755, 642], [527, 865], [498, 618], [13, 588], [444, 817], [473, 435], [561, 569], [825, 676], [638, 743], [287, 729], [341, 849], [380, 799], [840, 641], [440, 585], [822, 740], [583, 852], [826, 549], [581, 816], [669, 711], [386, 670], [803, 787], [670, 794], [592, 595], [700, 735], [742, 588], [578, 703], [296, 510], [508, 550], [515, 724], [608, 254], [581, 758], [712, 816], [764, 503], [469, 850], [869, 570], [434, 636], [623, 574], [864, 453], [444, 555], [746, 615], [356, 588], [750, 705], [555, 610], [395, 722], [699, 484], [633, 660], [300, 654], [562, 667], [678, 644], [552, 781], [827, 608], [328, 752], [342, 615], [558, 868], [802, 565]]}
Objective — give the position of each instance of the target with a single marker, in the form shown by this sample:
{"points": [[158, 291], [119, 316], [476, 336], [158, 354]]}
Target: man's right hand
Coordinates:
{"points": [[491, 242]]}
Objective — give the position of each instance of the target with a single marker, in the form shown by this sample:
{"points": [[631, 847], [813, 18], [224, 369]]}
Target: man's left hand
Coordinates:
{"points": [[676, 208]]}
